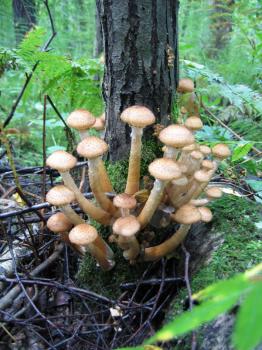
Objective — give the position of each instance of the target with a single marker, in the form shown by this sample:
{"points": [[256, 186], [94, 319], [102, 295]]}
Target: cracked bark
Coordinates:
{"points": [[140, 44]]}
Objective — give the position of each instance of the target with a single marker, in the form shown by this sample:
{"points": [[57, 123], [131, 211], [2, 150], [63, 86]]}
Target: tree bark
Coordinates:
{"points": [[24, 13], [98, 44], [141, 62]]}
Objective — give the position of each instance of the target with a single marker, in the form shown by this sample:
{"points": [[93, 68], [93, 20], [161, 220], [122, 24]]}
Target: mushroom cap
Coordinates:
{"points": [[164, 169], [58, 222], [61, 161], [214, 192], [197, 155], [92, 147], [201, 176], [187, 214], [176, 135], [205, 150], [221, 151], [125, 201], [182, 181], [138, 116], [99, 124], [80, 119], [126, 226], [207, 164], [83, 234], [205, 213], [60, 195], [194, 123], [189, 148], [185, 85]]}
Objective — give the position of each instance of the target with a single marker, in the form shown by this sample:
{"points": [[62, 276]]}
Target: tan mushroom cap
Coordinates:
{"points": [[80, 120], [197, 155], [214, 192], [189, 148], [176, 135], [138, 116], [185, 85], [59, 223], [221, 151], [83, 234], [99, 124], [207, 164], [125, 201], [182, 181], [164, 169], [61, 161], [201, 176], [92, 147], [194, 123], [187, 215], [126, 226], [205, 213], [205, 150], [60, 195]]}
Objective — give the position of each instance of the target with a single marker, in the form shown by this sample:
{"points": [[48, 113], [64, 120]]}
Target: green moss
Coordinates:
{"points": [[235, 217]]}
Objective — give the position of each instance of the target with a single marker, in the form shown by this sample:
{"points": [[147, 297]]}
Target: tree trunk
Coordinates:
{"points": [[141, 62], [98, 45], [24, 13]]}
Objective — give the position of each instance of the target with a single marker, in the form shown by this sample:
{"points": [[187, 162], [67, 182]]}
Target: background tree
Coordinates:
{"points": [[140, 42], [24, 17]]}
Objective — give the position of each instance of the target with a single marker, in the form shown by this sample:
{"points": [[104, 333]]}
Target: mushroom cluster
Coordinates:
{"points": [[181, 184]]}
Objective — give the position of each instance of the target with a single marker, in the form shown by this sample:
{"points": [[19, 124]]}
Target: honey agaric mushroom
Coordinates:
{"points": [[205, 150], [194, 160], [87, 238], [175, 137], [99, 124], [206, 214], [186, 216], [207, 165], [212, 193], [93, 148], [63, 162], [61, 196], [60, 224], [124, 202], [194, 123], [220, 152], [138, 117], [126, 228], [185, 85], [82, 121], [163, 170]]}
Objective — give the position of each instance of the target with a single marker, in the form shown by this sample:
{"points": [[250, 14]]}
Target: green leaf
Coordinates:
{"points": [[248, 331], [241, 150]]}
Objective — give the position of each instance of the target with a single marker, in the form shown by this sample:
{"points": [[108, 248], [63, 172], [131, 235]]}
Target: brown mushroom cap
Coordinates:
{"points": [[164, 169], [126, 226], [194, 123], [201, 176], [207, 164], [185, 85], [189, 148], [61, 161], [99, 124], [92, 147], [60, 195], [176, 135], [221, 151], [138, 116], [125, 201], [205, 213], [214, 192], [197, 155], [80, 120], [187, 214], [205, 150], [59, 223], [83, 234]]}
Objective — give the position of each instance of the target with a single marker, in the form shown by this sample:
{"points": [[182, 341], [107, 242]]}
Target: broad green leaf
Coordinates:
{"points": [[248, 331], [241, 151]]}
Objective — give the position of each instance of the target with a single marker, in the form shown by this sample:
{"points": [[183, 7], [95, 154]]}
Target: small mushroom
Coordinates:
{"points": [[87, 239], [220, 152], [125, 202], [194, 123], [206, 214], [82, 121], [185, 85], [60, 224], [163, 170], [93, 148], [138, 117], [205, 150], [63, 162], [126, 228]]}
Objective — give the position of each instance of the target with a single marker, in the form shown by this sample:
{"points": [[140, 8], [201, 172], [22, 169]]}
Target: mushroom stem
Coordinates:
{"points": [[98, 249], [171, 152], [105, 181], [167, 247], [152, 202], [71, 214], [88, 207], [132, 185], [102, 199], [130, 246]]}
